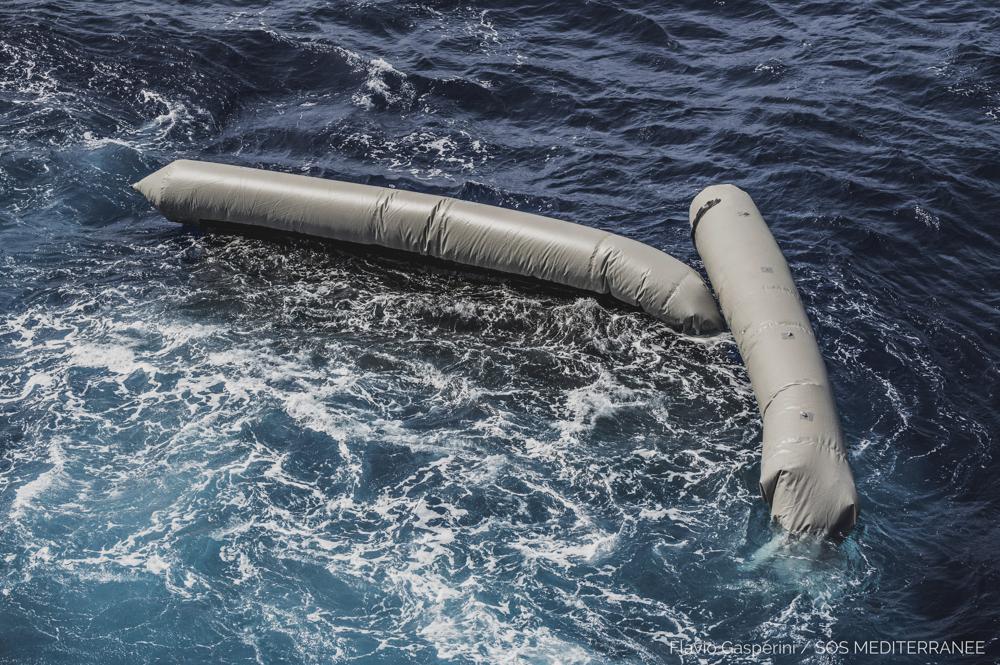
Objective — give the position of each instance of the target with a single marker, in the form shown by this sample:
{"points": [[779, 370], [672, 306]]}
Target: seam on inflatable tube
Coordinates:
{"points": [[787, 386], [163, 186], [674, 291], [426, 240], [601, 272], [642, 287], [767, 289], [750, 333], [383, 203], [748, 340], [782, 446]]}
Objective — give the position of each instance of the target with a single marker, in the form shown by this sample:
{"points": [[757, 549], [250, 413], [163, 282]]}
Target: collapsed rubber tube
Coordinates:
{"points": [[805, 476], [468, 233]]}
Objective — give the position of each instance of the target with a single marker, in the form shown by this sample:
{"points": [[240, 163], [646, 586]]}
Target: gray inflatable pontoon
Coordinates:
{"points": [[444, 228], [804, 474], [805, 477]]}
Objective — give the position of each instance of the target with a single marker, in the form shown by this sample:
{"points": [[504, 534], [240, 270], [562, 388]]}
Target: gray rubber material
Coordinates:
{"points": [[468, 233], [805, 476]]}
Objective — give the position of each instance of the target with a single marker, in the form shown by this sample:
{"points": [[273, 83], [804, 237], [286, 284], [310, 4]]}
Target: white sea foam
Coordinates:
{"points": [[444, 477], [426, 155], [40, 380], [383, 83], [929, 220], [28, 493]]}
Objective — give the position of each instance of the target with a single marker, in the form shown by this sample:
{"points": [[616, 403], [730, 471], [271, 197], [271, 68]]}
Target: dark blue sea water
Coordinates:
{"points": [[227, 449]]}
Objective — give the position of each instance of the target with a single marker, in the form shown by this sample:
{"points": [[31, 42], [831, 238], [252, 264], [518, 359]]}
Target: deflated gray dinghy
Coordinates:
{"points": [[469, 233], [804, 472]]}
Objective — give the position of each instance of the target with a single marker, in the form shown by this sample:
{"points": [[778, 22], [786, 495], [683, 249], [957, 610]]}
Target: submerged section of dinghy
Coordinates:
{"points": [[804, 472], [804, 477], [468, 233]]}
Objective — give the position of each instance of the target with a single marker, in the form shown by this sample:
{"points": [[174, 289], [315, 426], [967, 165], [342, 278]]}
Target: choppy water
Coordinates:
{"points": [[224, 449]]}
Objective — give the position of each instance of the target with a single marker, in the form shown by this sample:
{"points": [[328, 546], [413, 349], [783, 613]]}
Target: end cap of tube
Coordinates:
{"points": [[152, 186], [723, 193], [806, 499], [693, 304]]}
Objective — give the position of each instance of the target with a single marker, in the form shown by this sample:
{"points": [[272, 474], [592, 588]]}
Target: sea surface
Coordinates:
{"points": [[228, 449]]}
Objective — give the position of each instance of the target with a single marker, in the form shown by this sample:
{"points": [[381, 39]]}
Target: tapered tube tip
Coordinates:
{"points": [[150, 187]]}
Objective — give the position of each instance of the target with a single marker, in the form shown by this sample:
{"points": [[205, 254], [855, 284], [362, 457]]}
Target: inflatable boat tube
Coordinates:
{"points": [[805, 476], [468, 233]]}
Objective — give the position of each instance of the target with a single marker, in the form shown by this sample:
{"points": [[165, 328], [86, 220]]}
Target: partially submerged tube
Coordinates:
{"points": [[468, 233], [805, 476]]}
